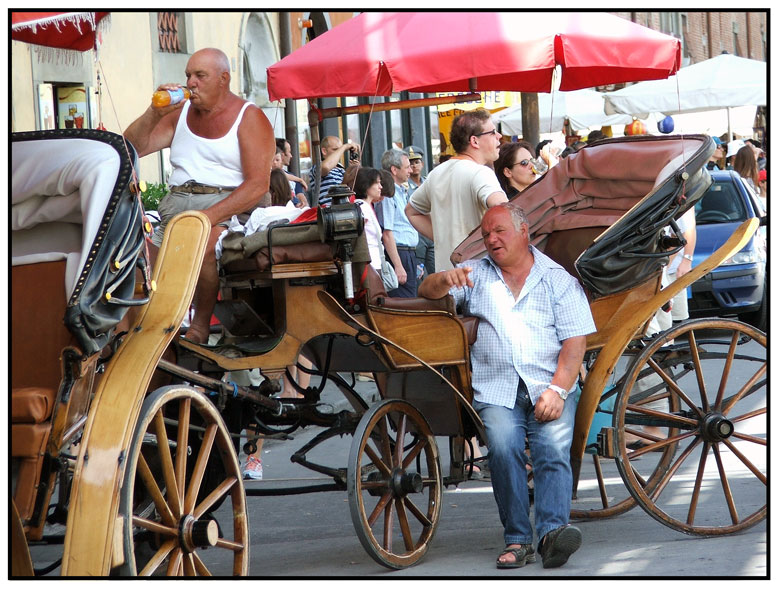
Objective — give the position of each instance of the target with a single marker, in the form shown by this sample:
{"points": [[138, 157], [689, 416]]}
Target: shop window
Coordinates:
{"points": [[63, 106]]}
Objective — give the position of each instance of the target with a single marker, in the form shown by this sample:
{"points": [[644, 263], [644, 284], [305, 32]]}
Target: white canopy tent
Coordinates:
{"points": [[723, 82], [584, 109]]}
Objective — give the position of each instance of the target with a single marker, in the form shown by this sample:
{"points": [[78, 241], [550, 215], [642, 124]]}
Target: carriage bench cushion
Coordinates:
{"points": [[32, 405]]}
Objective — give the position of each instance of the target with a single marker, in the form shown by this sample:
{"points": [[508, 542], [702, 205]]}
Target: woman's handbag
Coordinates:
{"points": [[389, 278]]}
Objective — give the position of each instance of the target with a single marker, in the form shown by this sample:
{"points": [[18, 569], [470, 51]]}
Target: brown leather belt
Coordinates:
{"points": [[198, 188]]}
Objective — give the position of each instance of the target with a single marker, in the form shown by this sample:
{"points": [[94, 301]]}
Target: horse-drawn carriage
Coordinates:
{"points": [[129, 435]]}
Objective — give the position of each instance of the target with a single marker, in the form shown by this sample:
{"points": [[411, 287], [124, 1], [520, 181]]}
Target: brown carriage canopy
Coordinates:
{"points": [[607, 205]]}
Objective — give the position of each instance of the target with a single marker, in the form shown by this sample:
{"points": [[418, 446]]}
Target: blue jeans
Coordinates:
{"points": [[550, 443]]}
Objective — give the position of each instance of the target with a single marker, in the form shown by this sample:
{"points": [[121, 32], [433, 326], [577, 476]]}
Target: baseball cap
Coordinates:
{"points": [[717, 140], [734, 147]]}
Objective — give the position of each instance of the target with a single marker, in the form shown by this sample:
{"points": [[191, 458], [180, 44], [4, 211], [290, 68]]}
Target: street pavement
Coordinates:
{"points": [[312, 535]]}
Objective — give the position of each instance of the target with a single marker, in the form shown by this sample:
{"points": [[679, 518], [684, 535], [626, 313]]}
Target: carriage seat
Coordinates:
{"points": [[38, 336], [446, 303]]}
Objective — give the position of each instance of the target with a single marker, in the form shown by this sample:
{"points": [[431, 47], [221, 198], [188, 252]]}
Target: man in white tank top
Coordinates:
{"points": [[221, 152]]}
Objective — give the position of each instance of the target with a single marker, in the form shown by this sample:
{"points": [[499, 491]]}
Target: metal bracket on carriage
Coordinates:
{"points": [[261, 396]]}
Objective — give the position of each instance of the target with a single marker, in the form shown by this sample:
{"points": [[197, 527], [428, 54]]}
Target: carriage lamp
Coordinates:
{"points": [[342, 222]]}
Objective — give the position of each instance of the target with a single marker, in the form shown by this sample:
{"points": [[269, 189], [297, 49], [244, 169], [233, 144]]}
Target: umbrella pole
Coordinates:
{"points": [[315, 116], [728, 122]]}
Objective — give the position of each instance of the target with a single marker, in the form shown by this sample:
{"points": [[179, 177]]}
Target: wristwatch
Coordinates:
{"points": [[559, 390], [688, 257]]}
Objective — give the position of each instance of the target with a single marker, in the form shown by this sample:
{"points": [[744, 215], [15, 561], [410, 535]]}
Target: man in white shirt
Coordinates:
{"points": [[456, 194]]}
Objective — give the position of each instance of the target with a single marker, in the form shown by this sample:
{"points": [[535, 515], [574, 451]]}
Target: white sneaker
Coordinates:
{"points": [[253, 468]]}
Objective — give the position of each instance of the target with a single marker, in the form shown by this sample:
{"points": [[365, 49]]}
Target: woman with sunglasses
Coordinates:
{"points": [[514, 167]]}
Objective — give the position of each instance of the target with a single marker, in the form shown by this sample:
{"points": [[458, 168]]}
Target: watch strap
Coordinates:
{"points": [[559, 390]]}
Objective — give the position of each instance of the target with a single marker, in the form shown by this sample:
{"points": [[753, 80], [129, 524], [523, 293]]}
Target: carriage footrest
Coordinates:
{"points": [[605, 441]]}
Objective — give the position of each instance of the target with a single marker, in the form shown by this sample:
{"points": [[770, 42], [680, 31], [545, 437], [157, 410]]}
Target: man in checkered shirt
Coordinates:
{"points": [[534, 317]]}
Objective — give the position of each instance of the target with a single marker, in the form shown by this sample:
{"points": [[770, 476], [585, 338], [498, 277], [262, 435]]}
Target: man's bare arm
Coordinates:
{"points": [[154, 129], [438, 284], [388, 240], [420, 221], [333, 158], [549, 406], [496, 198]]}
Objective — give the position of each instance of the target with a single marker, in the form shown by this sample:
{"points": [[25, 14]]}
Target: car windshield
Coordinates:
{"points": [[720, 204]]}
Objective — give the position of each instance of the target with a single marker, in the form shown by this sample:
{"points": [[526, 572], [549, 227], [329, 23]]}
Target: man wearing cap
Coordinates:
{"points": [[717, 155], [398, 235], [425, 252], [456, 194]]}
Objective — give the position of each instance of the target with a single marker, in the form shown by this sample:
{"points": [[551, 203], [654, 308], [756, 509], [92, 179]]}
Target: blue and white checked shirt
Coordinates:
{"points": [[522, 337]]}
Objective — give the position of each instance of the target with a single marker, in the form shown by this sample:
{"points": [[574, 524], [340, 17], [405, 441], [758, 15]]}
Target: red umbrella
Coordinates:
{"points": [[63, 30], [378, 53]]}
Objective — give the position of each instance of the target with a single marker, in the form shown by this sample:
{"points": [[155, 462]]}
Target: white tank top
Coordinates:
{"points": [[208, 161]]}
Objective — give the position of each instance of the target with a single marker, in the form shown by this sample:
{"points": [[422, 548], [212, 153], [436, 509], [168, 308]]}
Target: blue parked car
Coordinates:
{"points": [[738, 285]]}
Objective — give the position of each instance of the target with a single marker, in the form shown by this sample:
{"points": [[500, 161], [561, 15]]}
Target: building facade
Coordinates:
{"points": [[141, 50]]}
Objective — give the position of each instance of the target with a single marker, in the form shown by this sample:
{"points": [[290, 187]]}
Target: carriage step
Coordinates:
{"points": [[605, 442]]}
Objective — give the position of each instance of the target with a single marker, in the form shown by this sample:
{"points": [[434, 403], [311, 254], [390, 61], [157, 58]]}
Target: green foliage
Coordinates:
{"points": [[153, 194]]}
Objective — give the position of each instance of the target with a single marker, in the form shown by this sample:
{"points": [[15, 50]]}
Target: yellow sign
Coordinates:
{"points": [[492, 101]]}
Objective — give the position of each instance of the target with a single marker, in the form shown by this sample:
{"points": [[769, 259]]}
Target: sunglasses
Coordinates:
{"points": [[491, 132], [522, 163]]}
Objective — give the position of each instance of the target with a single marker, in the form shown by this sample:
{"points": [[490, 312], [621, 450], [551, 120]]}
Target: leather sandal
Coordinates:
{"points": [[523, 555]]}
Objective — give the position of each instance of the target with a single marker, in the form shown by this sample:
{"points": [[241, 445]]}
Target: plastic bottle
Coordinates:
{"points": [[163, 98]]}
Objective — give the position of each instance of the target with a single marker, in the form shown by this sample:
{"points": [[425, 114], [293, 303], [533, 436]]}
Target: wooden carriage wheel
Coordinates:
{"points": [[394, 483], [611, 497], [718, 433], [172, 521]]}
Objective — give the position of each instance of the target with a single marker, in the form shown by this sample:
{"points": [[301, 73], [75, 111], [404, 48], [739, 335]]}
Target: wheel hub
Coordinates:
{"points": [[716, 427], [403, 483], [197, 533]]}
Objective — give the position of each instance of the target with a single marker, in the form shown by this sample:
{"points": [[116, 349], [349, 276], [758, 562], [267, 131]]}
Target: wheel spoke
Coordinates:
{"points": [[749, 438], [377, 461], [174, 563], [727, 369], [705, 402], [724, 480], [169, 476], [761, 477], [200, 567], [380, 506], [673, 469], [182, 444], [221, 490], [155, 527], [388, 530], [743, 390], [154, 491], [414, 453], [399, 441], [403, 523], [189, 566], [411, 507], [163, 552], [200, 468], [384, 431], [705, 448], [753, 414], [229, 545], [674, 387]]}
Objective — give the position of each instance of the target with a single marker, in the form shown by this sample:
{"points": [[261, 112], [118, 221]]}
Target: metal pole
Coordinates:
{"points": [[290, 110]]}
